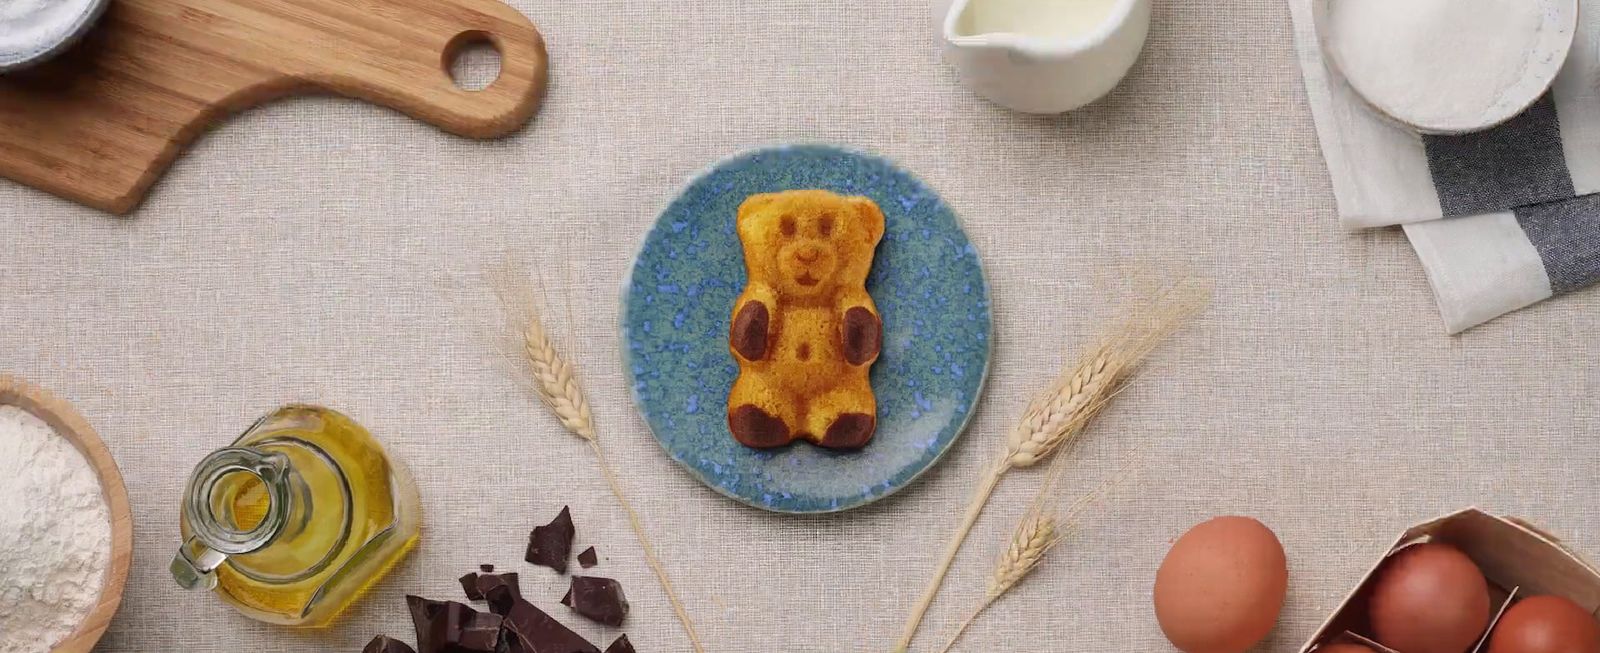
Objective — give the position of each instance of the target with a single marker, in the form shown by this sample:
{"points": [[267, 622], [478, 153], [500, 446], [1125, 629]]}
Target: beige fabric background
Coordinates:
{"points": [[327, 251]]}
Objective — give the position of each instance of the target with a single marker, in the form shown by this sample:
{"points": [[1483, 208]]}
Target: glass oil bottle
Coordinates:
{"points": [[297, 518]]}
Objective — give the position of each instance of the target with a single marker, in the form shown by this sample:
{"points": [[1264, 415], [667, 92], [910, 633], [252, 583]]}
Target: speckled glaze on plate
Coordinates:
{"points": [[928, 285]]}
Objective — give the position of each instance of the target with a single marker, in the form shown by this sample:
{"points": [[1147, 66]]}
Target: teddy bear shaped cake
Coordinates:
{"points": [[805, 332]]}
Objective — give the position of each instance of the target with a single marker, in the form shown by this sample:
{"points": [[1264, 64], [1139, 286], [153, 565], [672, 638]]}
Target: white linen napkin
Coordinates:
{"points": [[1501, 219]]}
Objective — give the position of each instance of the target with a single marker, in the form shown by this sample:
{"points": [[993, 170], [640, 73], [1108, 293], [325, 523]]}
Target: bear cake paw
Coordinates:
{"points": [[805, 332]]}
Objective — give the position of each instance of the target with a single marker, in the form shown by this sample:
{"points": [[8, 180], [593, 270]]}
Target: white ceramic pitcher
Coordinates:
{"points": [[1043, 56]]}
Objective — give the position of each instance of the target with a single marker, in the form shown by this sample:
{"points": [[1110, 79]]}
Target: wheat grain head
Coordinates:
{"points": [[554, 378], [1056, 416]]}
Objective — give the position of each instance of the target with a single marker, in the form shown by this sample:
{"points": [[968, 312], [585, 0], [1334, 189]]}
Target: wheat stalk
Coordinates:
{"points": [[1036, 534], [1055, 417], [556, 384]]}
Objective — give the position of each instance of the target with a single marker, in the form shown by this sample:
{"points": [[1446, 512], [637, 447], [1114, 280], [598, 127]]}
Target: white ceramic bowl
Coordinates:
{"points": [[25, 43], [1556, 32]]}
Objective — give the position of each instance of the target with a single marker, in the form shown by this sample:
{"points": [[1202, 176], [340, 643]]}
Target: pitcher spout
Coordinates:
{"points": [[960, 29]]}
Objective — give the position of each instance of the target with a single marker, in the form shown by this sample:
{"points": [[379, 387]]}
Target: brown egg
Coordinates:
{"points": [[1546, 624], [1221, 586], [1344, 647], [1429, 598]]}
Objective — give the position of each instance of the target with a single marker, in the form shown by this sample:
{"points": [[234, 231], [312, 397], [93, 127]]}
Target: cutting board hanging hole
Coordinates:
{"points": [[473, 60]]}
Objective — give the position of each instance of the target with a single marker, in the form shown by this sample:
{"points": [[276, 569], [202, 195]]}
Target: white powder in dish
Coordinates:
{"points": [[1430, 62], [55, 534], [28, 27]]}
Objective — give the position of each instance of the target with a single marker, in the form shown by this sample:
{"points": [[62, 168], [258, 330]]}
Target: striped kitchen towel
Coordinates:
{"points": [[1501, 219]]}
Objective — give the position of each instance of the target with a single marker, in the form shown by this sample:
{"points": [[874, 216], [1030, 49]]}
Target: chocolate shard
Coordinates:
{"points": [[550, 545], [599, 599], [481, 634], [469, 586], [386, 644], [529, 630], [487, 569], [622, 645], [451, 627], [422, 612], [588, 558], [444, 629], [500, 590]]}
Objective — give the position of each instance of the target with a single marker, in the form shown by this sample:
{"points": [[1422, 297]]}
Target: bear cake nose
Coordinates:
{"points": [[808, 254]]}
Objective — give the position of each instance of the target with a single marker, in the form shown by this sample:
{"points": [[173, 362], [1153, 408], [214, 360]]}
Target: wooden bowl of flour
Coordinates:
{"points": [[70, 425]]}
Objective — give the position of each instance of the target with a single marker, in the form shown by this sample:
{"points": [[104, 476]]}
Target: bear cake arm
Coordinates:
{"points": [[751, 332], [861, 331]]}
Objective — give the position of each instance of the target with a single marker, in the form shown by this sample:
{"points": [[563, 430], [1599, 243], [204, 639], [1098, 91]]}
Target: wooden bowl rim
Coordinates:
{"points": [[67, 422]]}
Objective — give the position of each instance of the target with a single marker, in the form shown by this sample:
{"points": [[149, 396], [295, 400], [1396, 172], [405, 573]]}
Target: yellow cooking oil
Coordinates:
{"points": [[317, 514]]}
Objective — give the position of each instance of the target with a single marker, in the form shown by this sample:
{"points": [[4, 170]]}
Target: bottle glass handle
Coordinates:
{"points": [[195, 566], [215, 538]]}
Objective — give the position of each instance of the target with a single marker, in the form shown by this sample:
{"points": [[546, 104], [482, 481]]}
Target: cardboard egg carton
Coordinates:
{"points": [[1516, 558]]}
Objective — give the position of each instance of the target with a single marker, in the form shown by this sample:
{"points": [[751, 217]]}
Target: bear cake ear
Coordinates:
{"points": [[755, 203], [871, 216]]}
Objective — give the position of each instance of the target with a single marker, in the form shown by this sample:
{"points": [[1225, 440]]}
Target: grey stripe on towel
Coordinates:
{"points": [[1567, 235], [1518, 163]]}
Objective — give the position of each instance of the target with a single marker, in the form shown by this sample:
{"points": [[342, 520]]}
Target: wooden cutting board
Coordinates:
{"points": [[100, 124]]}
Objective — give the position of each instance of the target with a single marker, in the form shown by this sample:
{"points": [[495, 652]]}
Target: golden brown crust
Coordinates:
{"points": [[805, 332]]}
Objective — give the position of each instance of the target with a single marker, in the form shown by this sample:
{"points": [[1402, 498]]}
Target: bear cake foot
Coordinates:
{"points": [[754, 427], [849, 431]]}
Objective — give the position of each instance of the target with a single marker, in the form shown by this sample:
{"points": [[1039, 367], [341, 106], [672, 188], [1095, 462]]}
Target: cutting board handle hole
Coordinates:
{"points": [[473, 60]]}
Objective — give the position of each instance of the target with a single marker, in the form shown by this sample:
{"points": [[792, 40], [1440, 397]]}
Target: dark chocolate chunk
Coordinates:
{"points": [[480, 634], [469, 586], [422, 612], [588, 558], [550, 545], [450, 627], [622, 645], [500, 590], [487, 569], [444, 628], [599, 599], [497, 589], [386, 644], [530, 630]]}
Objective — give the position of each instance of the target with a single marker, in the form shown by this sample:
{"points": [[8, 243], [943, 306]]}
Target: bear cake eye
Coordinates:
{"points": [[786, 225], [825, 225]]}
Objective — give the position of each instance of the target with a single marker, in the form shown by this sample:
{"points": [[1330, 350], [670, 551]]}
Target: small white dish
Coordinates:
{"points": [[1549, 41], [34, 31], [1041, 61]]}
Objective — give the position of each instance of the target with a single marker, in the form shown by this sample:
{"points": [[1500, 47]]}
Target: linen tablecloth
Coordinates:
{"points": [[323, 250]]}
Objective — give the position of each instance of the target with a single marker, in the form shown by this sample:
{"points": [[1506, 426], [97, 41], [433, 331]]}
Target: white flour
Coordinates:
{"points": [[55, 534], [1434, 61], [31, 26]]}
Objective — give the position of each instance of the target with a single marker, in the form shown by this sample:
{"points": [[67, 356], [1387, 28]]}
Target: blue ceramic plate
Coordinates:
{"points": [[928, 285]]}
